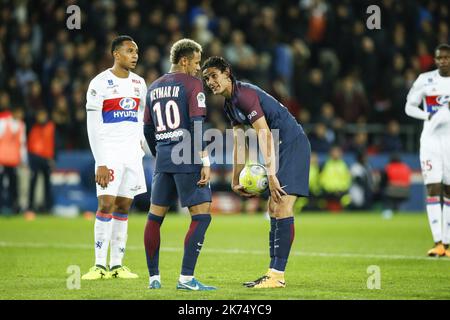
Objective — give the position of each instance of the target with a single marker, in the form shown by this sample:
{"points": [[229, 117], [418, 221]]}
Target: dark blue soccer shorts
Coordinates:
{"points": [[293, 171], [166, 186]]}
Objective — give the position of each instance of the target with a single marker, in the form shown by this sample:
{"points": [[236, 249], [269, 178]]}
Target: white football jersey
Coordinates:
{"points": [[121, 102], [433, 91]]}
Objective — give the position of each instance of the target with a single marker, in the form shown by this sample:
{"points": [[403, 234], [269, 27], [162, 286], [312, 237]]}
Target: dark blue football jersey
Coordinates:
{"points": [[248, 103], [173, 100]]}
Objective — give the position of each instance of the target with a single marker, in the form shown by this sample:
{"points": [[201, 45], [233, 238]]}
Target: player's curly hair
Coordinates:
{"points": [[184, 48], [219, 63]]}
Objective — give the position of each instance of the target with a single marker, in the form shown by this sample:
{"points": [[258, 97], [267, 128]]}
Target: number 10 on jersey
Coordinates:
{"points": [[172, 116]]}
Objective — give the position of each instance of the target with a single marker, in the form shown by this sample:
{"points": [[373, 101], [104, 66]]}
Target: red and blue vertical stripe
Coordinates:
{"points": [[152, 240], [193, 242]]}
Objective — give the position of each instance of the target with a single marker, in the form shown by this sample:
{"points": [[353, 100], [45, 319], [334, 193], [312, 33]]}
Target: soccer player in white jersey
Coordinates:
{"points": [[432, 89], [115, 106]]}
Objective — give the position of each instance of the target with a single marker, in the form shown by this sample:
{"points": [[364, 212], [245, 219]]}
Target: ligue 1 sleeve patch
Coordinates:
{"points": [[201, 100]]}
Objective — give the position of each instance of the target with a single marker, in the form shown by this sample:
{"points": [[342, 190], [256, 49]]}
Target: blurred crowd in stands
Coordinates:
{"points": [[335, 185], [316, 56]]}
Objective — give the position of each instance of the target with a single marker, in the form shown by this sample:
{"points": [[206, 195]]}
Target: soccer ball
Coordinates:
{"points": [[254, 178]]}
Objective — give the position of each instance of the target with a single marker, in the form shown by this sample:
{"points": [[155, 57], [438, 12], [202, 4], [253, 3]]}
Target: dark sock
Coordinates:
{"points": [[193, 242], [152, 240], [284, 236], [273, 226]]}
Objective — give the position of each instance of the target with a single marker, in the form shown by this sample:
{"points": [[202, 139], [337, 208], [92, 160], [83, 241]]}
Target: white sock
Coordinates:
{"points": [[155, 277], [277, 271], [102, 236], [435, 217], [118, 238], [446, 222], [184, 279]]}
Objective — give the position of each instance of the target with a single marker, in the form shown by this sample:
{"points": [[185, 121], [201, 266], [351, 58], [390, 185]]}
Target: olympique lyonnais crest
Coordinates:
{"points": [[433, 103]]}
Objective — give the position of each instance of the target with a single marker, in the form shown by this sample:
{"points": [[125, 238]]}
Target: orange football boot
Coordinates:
{"points": [[437, 251]]}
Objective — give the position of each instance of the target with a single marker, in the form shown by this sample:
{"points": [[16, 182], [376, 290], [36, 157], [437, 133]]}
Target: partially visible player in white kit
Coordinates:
{"points": [[432, 89], [115, 106]]}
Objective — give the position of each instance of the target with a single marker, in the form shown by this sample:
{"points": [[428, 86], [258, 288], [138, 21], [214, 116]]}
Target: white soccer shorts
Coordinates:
{"points": [[435, 159], [125, 180]]}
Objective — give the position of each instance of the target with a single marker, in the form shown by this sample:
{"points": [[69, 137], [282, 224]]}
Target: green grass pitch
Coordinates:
{"points": [[330, 258]]}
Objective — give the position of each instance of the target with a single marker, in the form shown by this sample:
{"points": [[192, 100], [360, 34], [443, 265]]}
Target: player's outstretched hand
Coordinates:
{"points": [[276, 191], [102, 176], [204, 176], [241, 191]]}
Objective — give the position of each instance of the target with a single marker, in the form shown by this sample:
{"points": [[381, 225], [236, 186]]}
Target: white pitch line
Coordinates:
{"points": [[30, 245]]}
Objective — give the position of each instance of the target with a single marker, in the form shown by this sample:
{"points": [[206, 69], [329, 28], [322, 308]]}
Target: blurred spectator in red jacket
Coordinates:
{"points": [[41, 154], [12, 154], [396, 183]]}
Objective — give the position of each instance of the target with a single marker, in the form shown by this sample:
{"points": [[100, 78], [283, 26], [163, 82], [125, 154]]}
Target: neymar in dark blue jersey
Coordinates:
{"points": [[175, 109], [288, 168]]}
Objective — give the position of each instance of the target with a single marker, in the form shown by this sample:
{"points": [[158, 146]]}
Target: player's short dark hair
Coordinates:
{"points": [[184, 48], [117, 42], [219, 63], [443, 46]]}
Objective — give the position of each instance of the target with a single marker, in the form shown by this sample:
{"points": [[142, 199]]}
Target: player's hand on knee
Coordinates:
{"points": [[237, 188], [276, 191], [205, 175], [102, 176]]}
